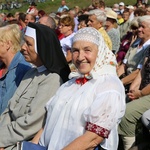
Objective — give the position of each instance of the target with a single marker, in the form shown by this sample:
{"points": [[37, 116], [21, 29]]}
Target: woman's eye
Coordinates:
{"points": [[28, 44], [75, 50], [87, 50]]}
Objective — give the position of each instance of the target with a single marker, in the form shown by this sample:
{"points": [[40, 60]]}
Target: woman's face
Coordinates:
{"points": [[84, 55], [64, 29], [28, 51], [108, 23]]}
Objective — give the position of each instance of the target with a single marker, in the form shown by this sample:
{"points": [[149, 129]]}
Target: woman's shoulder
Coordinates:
{"points": [[109, 83]]}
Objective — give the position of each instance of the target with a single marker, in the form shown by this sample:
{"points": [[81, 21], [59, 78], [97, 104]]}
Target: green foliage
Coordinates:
{"points": [[52, 6]]}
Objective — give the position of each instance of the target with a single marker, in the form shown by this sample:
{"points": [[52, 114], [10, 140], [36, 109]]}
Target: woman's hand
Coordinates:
{"points": [[134, 94], [36, 138], [1, 148], [134, 37]]}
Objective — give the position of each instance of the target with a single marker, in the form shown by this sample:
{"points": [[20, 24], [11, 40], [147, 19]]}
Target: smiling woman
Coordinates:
{"points": [[84, 55]]}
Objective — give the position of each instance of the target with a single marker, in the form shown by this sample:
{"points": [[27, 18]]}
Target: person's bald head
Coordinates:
{"points": [[48, 21]]}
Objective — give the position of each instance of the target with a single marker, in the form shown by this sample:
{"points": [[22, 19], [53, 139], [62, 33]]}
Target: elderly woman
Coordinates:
{"points": [[13, 65], [25, 113], [86, 110], [129, 40]]}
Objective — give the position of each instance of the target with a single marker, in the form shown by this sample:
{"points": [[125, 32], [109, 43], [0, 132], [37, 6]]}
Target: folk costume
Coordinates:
{"points": [[97, 105]]}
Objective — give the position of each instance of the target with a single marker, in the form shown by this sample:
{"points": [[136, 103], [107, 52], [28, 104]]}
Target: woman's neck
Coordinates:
{"points": [[68, 33], [37, 62], [7, 60]]}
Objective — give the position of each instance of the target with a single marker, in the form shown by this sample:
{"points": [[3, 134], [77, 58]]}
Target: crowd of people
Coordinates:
{"points": [[76, 79]]}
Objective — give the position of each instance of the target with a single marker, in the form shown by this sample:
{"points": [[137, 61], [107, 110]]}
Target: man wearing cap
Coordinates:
{"points": [[121, 7], [131, 11], [32, 9], [112, 30]]}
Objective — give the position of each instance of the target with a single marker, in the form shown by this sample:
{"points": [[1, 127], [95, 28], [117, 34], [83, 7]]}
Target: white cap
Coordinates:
{"points": [[130, 7], [121, 4]]}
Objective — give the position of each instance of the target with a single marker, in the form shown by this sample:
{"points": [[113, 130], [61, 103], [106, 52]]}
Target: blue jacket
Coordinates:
{"points": [[11, 80]]}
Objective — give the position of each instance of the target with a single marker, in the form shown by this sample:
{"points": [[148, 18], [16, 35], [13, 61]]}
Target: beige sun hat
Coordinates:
{"points": [[130, 7], [111, 14]]}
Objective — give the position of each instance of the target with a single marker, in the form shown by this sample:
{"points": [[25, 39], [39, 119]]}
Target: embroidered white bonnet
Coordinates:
{"points": [[87, 34]]}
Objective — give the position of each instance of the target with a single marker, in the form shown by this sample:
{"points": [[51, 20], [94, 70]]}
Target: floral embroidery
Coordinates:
{"points": [[97, 129], [112, 63]]}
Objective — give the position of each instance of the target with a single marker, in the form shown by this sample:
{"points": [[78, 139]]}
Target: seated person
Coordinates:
{"points": [[140, 94], [86, 110], [83, 20], [13, 65], [146, 119], [66, 26], [111, 28], [128, 41], [134, 58], [25, 112]]}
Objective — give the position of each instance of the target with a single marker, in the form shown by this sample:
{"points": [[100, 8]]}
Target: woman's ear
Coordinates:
{"points": [[8, 45]]}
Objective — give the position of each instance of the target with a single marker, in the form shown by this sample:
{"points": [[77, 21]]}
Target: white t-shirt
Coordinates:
{"points": [[66, 43]]}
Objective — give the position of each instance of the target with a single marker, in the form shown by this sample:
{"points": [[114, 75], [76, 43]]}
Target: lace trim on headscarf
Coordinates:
{"points": [[105, 62]]}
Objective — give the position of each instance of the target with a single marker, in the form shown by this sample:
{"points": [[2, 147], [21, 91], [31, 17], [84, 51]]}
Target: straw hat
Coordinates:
{"points": [[130, 7], [111, 14]]}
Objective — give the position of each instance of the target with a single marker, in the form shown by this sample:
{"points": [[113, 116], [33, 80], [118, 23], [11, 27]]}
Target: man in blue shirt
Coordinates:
{"points": [[63, 7]]}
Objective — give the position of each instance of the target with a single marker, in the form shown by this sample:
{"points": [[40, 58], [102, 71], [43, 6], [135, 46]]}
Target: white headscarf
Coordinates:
{"points": [[105, 62]]}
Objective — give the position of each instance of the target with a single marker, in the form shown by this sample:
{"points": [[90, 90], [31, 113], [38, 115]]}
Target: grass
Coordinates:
{"points": [[52, 6]]}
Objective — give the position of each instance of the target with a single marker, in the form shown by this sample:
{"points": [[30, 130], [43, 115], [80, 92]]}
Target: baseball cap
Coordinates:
{"points": [[121, 4]]}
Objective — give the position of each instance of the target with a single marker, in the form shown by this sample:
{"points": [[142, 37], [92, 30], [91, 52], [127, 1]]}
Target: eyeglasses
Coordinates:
{"points": [[62, 25]]}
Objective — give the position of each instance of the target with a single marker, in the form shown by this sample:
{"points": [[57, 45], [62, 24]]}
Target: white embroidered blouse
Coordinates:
{"points": [[97, 106]]}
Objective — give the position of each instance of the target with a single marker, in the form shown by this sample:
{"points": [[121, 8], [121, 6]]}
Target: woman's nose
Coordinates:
{"points": [[81, 56]]}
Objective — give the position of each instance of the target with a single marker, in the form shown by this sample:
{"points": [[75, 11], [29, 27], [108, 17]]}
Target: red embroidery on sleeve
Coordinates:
{"points": [[97, 129]]}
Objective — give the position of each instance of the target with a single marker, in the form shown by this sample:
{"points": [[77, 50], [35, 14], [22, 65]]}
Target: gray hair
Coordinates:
{"points": [[145, 19], [49, 21], [100, 15], [52, 22]]}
